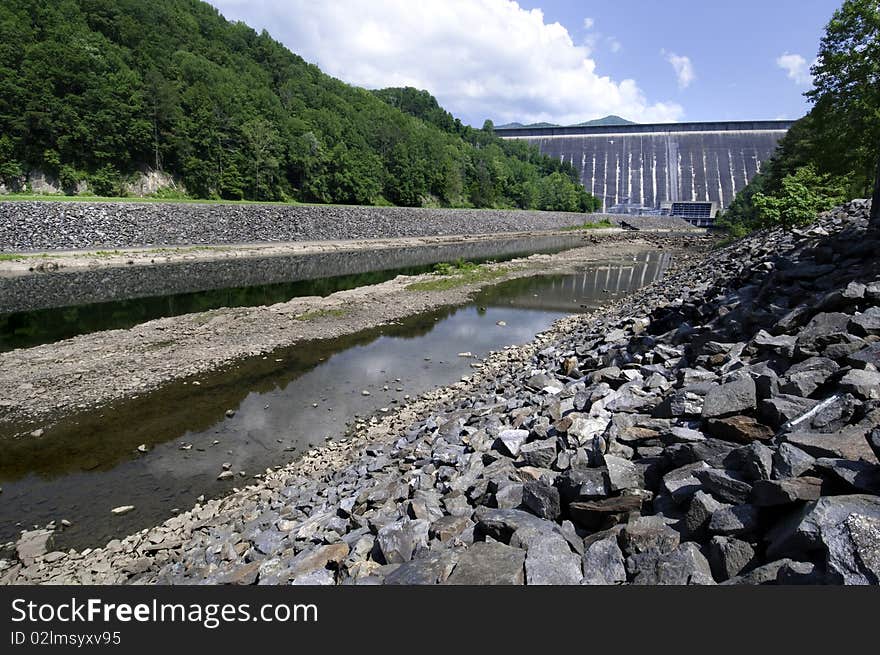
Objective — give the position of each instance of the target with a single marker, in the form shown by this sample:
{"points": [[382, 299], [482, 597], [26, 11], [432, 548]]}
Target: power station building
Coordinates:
{"points": [[691, 170]]}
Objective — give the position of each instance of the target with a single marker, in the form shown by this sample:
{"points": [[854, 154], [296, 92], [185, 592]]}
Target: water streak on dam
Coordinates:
{"points": [[652, 164]]}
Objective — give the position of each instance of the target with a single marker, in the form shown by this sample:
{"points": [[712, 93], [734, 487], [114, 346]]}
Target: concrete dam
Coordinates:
{"points": [[647, 168]]}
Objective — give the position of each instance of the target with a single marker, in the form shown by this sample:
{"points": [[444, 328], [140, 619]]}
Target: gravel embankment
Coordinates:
{"points": [[721, 426], [34, 225]]}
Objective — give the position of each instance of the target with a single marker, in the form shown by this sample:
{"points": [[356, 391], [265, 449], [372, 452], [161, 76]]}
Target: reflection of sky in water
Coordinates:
{"points": [[269, 428]]}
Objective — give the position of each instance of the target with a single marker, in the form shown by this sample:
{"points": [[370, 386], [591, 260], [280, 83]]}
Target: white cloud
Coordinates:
{"points": [[684, 69], [481, 58], [588, 23], [614, 45], [796, 68]]}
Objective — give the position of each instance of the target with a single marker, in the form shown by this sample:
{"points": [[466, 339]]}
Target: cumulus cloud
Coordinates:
{"points": [[684, 69], [481, 58], [796, 68], [588, 23]]}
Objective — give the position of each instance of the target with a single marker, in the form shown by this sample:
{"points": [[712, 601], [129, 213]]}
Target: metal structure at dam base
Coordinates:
{"points": [[690, 170]]}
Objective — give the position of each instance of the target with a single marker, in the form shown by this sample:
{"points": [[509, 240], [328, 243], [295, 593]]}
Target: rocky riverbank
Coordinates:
{"points": [[47, 226], [721, 426]]}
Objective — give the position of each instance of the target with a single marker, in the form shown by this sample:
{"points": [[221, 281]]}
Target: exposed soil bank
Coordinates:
{"points": [[95, 369]]}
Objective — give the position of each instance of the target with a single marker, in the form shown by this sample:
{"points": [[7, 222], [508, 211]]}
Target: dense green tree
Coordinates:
{"points": [[804, 193], [846, 93], [838, 140]]}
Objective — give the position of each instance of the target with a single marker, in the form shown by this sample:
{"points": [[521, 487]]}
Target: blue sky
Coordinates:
{"points": [[733, 47], [562, 61]]}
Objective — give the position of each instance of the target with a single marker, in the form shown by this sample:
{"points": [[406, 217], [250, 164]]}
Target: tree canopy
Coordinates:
{"points": [[95, 90]]}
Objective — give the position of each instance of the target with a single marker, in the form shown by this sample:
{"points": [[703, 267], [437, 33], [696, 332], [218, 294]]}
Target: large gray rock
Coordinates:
{"points": [[862, 384], [648, 533], [622, 473], [541, 499], [700, 511], [767, 493], [550, 561], [754, 461], [860, 475], [848, 443], [433, 568], [683, 565], [681, 483], [398, 541], [823, 329], [854, 550], [736, 520], [790, 461], [489, 563], [803, 378], [782, 344], [512, 440], [726, 486], [729, 557], [33, 544], [783, 408], [731, 398], [603, 563], [866, 323], [807, 529], [540, 453], [583, 484]]}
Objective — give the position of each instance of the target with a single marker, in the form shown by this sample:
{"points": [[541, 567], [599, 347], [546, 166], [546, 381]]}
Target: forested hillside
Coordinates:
{"points": [[94, 90]]}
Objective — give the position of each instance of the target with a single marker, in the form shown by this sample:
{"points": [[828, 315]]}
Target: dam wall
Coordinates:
{"points": [[649, 165]]}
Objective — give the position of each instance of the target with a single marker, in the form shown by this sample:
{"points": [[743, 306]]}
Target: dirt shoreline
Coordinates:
{"points": [[47, 382]]}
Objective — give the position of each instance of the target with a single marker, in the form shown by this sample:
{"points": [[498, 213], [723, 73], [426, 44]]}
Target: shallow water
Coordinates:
{"points": [[83, 467]]}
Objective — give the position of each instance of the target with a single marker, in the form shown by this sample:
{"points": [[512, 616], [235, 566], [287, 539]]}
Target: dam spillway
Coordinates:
{"points": [[651, 165]]}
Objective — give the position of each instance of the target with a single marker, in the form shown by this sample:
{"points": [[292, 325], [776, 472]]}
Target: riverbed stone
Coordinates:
{"points": [[33, 544]]}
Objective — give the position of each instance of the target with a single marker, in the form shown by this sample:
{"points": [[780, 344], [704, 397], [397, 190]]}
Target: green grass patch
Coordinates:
{"points": [[457, 274], [321, 313], [12, 256], [600, 225]]}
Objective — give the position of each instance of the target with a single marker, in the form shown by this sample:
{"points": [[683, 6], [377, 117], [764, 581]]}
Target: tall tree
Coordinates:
{"points": [[846, 93]]}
